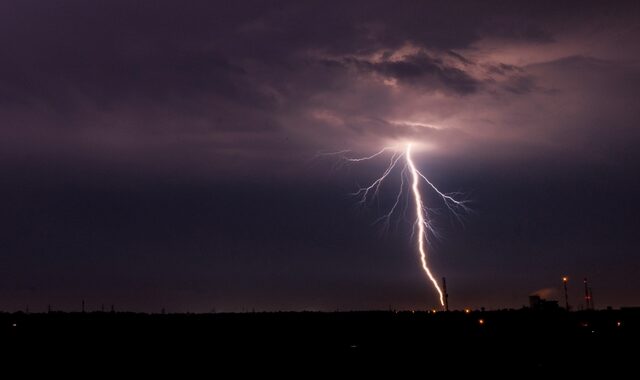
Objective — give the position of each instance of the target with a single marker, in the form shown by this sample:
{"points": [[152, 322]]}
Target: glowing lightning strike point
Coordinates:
{"points": [[420, 220]]}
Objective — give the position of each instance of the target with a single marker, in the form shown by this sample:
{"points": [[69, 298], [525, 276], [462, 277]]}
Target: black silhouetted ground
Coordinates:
{"points": [[518, 339]]}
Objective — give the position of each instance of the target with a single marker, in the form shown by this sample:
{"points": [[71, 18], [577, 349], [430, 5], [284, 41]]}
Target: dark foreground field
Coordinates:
{"points": [[523, 339]]}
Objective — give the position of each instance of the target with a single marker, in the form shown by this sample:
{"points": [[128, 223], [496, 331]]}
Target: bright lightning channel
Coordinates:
{"points": [[421, 221]]}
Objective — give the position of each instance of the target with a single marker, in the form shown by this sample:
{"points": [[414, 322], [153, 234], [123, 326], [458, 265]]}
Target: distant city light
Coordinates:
{"points": [[618, 323], [565, 279], [481, 321], [467, 311]]}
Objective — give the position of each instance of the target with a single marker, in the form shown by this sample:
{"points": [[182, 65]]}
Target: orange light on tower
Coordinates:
{"points": [[565, 280]]}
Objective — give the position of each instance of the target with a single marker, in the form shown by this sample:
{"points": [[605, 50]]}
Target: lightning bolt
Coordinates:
{"points": [[367, 193], [420, 220]]}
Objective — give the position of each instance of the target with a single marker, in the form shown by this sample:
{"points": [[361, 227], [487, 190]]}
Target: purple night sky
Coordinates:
{"points": [[160, 154]]}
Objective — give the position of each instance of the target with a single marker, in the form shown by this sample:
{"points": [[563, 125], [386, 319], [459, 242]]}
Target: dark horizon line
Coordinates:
{"points": [[378, 311]]}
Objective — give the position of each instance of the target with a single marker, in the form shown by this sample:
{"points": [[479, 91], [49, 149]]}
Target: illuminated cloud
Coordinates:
{"points": [[252, 72]]}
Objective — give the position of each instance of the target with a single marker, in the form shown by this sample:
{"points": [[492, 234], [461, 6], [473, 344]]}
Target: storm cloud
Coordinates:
{"points": [[163, 114]]}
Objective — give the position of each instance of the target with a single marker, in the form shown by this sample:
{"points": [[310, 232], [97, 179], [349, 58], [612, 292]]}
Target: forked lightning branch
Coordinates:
{"points": [[411, 181]]}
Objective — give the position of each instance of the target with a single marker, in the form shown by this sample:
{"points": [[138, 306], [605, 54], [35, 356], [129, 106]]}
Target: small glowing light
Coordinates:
{"points": [[481, 321], [14, 325], [467, 311], [433, 310], [565, 279], [618, 323]]}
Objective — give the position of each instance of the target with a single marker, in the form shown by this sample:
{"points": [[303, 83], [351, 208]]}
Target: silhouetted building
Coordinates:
{"points": [[541, 304]]}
